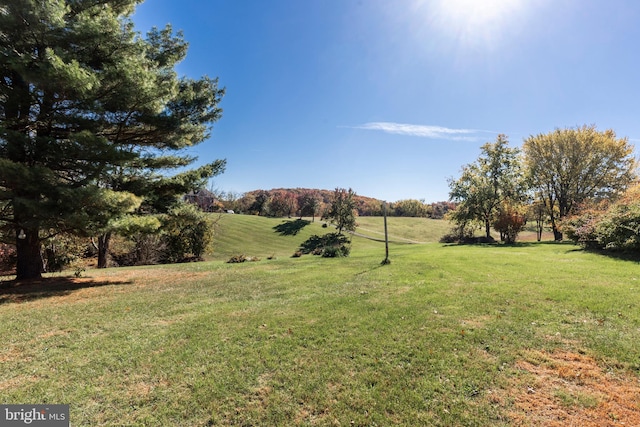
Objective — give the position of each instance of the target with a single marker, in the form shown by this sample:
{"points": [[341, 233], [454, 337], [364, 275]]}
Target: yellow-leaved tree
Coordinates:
{"points": [[567, 167]]}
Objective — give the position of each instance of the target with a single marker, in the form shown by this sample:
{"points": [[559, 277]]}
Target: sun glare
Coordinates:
{"points": [[474, 22]]}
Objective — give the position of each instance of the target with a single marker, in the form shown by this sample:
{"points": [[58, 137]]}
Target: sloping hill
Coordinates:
{"points": [[257, 236], [404, 229]]}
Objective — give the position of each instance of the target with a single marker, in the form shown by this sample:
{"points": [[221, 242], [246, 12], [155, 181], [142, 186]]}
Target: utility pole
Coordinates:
{"points": [[386, 236]]}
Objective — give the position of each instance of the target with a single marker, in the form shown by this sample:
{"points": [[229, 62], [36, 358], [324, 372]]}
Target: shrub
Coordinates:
{"points": [[619, 228], [137, 249], [581, 229], [336, 251], [509, 222], [329, 246], [237, 259], [62, 251], [8, 258], [614, 227], [188, 233], [311, 244], [459, 234]]}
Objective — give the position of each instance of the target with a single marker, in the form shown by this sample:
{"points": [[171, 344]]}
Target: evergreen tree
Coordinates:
{"points": [[84, 97]]}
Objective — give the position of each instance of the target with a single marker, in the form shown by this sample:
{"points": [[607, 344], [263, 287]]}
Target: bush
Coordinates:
{"points": [[62, 251], [581, 229], [236, 259], [619, 228], [336, 251], [137, 249], [509, 222], [8, 258], [459, 234], [616, 227], [188, 233], [330, 245]]}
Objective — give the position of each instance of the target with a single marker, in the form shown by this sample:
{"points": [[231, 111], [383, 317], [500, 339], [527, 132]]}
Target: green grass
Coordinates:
{"points": [[426, 340], [404, 230], [255, 236]]}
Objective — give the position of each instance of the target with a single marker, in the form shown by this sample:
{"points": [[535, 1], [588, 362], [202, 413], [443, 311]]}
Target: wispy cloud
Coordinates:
{"points": [[432, 132]]}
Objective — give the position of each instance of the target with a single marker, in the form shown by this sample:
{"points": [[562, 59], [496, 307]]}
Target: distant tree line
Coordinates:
{"points": [[304, 202]]}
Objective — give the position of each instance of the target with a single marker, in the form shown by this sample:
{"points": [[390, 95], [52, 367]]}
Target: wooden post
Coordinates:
{"points": [[386, 236]]}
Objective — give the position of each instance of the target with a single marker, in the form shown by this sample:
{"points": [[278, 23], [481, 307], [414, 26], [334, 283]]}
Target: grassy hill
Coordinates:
{"points": [[446, 335], [256, 236], [403, 229]]}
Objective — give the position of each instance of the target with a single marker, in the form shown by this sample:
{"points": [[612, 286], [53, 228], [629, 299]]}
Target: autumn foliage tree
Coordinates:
{"points": [[510, 220], [282, 203], [567, 167], [609, 226], [309, 203], [411, 208], [484, 185]]}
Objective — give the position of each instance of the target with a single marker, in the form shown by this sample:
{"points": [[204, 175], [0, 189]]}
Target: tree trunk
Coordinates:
{"points": [[28, 251], [539, 230], [103, 249], [487, 228], [557, 234]]}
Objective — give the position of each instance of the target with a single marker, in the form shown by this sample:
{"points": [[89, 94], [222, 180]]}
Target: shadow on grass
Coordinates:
{"points": [[570, 246], [291, 228], [516, 244], [17, 292], [621, 255]]}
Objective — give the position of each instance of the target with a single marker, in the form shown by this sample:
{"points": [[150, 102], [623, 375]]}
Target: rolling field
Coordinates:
{"points": [[540, 334]]}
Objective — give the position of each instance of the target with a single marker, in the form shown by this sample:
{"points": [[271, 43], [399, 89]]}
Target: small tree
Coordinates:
{"points": [[493, 179], [538, 212], [157, 194], [282, 203], [342, 212], [131, 227], [188, 232], [309, 202], [509, 221]]}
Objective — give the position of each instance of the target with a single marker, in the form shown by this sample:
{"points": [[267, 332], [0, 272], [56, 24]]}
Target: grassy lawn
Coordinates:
{"points": [[531, 334], [404, 230]]}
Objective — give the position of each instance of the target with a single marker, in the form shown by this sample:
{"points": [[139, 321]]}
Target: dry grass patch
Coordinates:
{"points": [[569, 389], [68, 290], [18, 381], [12, 354]]}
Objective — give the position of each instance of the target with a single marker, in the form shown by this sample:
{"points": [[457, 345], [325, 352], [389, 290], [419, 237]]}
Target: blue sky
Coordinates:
{"points": [[391, 98]]}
